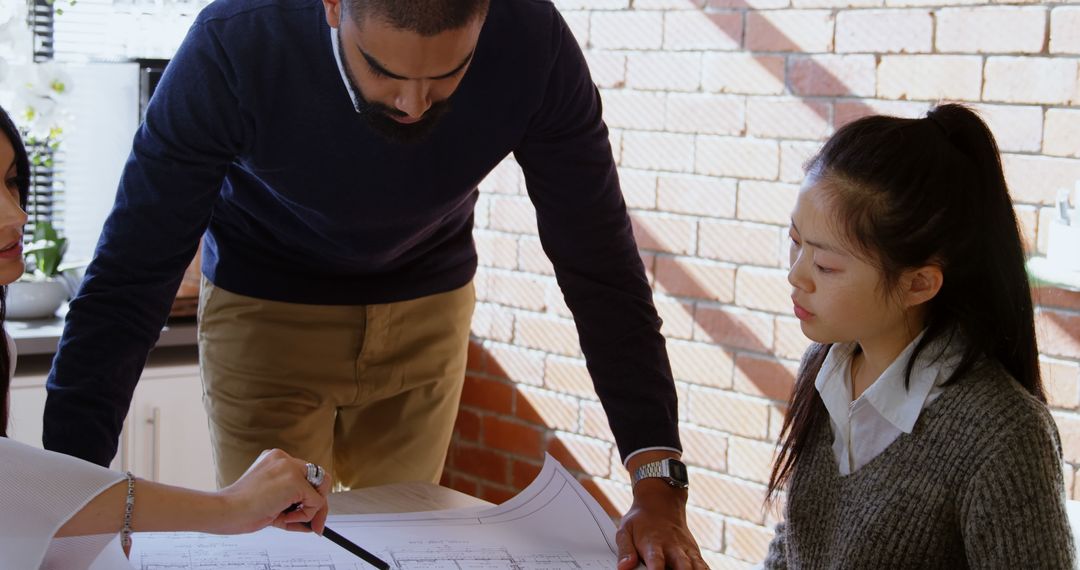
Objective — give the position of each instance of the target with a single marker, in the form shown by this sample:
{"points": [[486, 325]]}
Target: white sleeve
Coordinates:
{"points": [[39, 491]]}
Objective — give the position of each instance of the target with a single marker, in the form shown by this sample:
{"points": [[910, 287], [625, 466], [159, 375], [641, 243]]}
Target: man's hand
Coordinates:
{"points": [[654, 531]]}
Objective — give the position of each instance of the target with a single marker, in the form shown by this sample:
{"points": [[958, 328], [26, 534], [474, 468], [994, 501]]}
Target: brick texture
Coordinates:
{"points": [[809, 31], [766, 202], [1062, 132], [884, 31], [667, 71], [658, 151], [738, 157], [930, 77], [739, 242], [706, 113], [787, 118], [747, 542], [1051, 81], [1064, 21], [692, 277], [833, 75], [627, 30], [991, 29], [714, 107], [754, 74], [693, 30]]}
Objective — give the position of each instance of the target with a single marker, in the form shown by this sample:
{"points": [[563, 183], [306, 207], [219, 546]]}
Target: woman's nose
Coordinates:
{"points": [[797, 275], [11, 213]]}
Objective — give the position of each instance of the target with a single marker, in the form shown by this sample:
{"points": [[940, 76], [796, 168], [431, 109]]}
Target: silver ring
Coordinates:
{"points": [[315, 474]]}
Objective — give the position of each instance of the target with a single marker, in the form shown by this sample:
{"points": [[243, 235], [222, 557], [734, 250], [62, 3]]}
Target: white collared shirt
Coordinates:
{"points": [[341, 69], [864, 428]]}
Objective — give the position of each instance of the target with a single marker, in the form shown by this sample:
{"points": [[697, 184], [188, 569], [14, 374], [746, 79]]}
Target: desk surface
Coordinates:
{"points": [[400, 498]]}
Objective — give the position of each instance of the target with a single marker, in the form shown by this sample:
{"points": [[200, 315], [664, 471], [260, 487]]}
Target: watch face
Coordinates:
{"points": [[678, 471]]}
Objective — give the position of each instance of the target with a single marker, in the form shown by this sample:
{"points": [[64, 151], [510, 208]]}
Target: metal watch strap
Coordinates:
{"points": [[654, 469], [663, 470]]}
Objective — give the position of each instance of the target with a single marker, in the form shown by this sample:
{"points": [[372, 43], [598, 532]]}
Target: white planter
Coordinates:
{"points": [[35, 299]]}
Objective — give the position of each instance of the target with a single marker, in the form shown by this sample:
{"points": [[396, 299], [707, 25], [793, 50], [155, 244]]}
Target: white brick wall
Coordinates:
{"points": [[714, 107]]}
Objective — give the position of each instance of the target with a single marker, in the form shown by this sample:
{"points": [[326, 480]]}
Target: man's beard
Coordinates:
{"points": [[378, 116]]}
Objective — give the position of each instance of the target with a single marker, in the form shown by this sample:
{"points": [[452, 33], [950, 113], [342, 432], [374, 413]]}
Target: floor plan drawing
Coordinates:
{"points": [[238, 560], [554, 524], [483, 559], [194, 551]]}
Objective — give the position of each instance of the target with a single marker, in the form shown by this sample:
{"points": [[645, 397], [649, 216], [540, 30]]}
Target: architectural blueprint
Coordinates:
{"points": [[554, 524]]}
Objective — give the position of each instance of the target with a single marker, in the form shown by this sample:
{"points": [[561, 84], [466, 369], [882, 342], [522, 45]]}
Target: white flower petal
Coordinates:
{"points": [[52, 80]]}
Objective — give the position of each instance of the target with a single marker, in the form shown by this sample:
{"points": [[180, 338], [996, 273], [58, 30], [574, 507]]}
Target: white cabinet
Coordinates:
{"points": [[166, 437], [27, 404]]}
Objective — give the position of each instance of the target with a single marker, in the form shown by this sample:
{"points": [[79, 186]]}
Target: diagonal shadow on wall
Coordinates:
{"points": [[493, 457]]}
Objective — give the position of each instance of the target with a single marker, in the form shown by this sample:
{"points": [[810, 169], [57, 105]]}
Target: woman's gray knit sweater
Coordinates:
{"points": [[977, 484]]}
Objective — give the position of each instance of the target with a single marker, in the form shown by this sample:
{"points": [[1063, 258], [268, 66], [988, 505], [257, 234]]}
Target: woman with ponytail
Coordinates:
{"points": [[918, 433], [64, 513]]}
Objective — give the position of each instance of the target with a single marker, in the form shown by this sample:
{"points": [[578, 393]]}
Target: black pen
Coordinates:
{"points": [[353, 548], [347, 544]]}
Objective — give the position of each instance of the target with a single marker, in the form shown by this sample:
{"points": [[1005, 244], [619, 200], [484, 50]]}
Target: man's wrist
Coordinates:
{"points": [[651, 474], [641, 458]]}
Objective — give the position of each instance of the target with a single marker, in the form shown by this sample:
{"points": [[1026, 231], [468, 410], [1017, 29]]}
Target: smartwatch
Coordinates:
{"points": [[671, 471]]}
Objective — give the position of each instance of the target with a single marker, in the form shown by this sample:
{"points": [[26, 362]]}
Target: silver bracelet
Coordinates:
{"points": [[129, 507]]}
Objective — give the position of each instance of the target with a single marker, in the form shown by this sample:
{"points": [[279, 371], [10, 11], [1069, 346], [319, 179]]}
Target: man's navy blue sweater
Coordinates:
{"points": [[251, 137]]}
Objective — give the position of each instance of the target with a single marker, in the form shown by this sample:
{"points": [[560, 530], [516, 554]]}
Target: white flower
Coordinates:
{"points": [[39, 93], [51, 80], [38, 115], [39, 89]]}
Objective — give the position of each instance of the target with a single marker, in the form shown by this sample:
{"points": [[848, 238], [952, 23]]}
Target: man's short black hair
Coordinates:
{"points": [[425, 17]]}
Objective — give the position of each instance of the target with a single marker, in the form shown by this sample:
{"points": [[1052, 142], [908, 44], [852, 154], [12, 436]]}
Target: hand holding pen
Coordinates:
{"points": [[266, 493], [316, 477]]}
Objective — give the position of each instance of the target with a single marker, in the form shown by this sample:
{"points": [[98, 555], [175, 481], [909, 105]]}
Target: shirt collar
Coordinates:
{"points": [[898, 404], [335, 47], [832, 381]]}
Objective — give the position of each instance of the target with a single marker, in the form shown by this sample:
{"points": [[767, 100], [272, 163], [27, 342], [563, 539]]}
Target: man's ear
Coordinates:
{"points": [[921, 284], [333, 12]]}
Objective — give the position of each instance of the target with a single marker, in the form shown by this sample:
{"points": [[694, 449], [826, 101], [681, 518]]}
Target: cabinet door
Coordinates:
{"points": [[27, 400], [27, 407], [169, 428]]}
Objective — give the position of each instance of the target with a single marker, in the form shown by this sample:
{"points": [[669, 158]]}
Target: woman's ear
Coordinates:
{"points": [[921, 284]]}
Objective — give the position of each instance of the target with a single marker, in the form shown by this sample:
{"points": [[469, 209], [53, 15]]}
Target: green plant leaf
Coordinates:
{"points": [[44, 230], [46, 250]]}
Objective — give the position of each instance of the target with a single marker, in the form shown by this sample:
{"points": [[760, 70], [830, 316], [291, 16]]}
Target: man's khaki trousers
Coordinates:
{"points": [[370, 392]]}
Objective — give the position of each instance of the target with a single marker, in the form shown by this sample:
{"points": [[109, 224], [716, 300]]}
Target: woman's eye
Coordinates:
{"points": [[822, 269]]}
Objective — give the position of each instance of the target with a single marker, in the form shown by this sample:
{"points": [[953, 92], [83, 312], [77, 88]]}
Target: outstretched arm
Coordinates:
{"points": [[258, 499], [194, 128]]}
